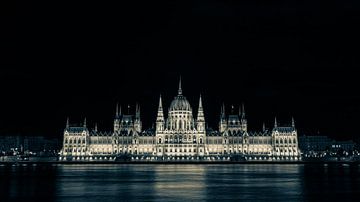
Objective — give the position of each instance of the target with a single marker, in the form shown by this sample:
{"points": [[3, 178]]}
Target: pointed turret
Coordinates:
{"points": [[222, 123], [243, 120], [292, 122], [180, 90], [243, 111], [222, 113], [160, 114], [138, 124], [275, 123], [200, 117], [137, 113], [263, 127], [117, 118], [117, 110], [84, 123], [67, 122], [160, 117], [96, 128]]}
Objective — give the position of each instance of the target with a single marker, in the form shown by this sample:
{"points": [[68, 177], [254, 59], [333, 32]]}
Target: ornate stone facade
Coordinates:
{"points": [[180, 137]]}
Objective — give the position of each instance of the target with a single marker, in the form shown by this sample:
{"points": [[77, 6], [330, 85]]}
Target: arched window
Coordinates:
{"points": [[201, 140], [159, 140], [66, 140], [70, 141]]}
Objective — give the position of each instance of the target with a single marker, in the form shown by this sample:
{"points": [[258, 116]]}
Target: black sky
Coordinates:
{"points": [[281, 58]]}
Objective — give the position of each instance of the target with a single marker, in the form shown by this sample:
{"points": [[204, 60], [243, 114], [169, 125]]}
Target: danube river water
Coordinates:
{"points": [[180, 182]]}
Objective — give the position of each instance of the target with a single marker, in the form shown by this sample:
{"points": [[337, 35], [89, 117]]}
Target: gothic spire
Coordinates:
{"points": [[275, 123], [243, 111], [200, 103], [160, 114], [222, 113], [95, 127], [117, 110], [292, 122], [263, 127], [137, 113], [160, 104], [67, 122], [180, 90], [85, 122], [200, 116]]}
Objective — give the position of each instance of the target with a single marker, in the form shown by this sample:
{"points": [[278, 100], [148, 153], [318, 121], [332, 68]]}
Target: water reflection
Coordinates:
{"points": [[179, 182]]}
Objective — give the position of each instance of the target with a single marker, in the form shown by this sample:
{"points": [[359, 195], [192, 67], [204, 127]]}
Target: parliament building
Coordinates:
{"points": [[180, 136]]}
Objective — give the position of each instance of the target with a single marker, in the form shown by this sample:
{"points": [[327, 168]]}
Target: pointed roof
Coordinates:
{"points": [[223, 109], [263, 127], [200, 103], [200, 115], [160, 114], [67, 122], [243, 110], [137, 111], [117, 110], [160, 104], [275, 123], [180, 90]]}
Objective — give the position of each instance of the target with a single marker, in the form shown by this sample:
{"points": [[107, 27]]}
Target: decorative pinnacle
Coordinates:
{"points": [[180, 90]]}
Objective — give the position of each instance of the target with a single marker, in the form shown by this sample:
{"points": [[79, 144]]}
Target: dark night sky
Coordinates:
{"points": [[281, 58]]}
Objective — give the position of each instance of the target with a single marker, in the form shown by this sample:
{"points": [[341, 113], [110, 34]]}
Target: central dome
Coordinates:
{"points": [[180, 102]]}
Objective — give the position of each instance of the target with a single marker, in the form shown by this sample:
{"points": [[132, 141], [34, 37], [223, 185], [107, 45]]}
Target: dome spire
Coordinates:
{"points": [[180, 90]]}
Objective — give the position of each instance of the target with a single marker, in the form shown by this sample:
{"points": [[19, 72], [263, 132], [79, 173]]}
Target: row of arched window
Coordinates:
{"points": [[179, 139], [75, 141], [286, 141], [74, 150], [286, 150]]}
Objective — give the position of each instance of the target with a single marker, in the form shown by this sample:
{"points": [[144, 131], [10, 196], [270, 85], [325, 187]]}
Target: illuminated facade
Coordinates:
{"points": [[180, 137]]}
